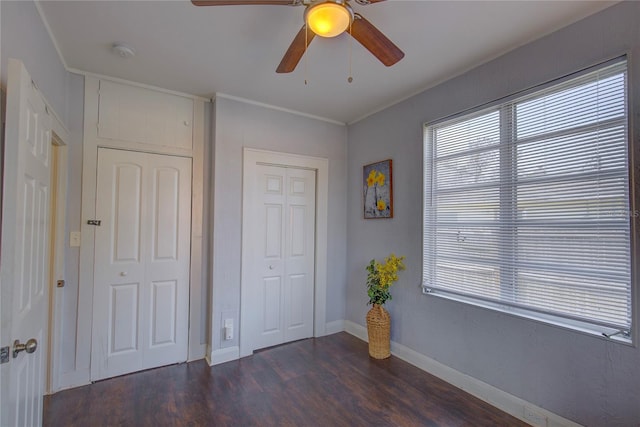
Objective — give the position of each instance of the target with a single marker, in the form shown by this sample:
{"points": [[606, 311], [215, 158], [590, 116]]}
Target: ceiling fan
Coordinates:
{"points": [[326, 18]]}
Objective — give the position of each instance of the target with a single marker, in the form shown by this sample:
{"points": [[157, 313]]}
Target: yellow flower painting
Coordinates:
{"points": [[377, 187]]}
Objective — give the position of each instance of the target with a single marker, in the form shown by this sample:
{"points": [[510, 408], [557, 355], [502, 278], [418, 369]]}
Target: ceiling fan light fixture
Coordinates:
{"points": [[328, 19]]}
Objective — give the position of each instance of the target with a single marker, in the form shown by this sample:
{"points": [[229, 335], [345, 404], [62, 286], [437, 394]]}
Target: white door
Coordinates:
{"points": [[279, 244], [142, 258], [25, 249]]}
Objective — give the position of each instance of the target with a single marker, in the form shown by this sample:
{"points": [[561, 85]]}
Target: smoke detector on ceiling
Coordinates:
{"points": [[123, 50]]}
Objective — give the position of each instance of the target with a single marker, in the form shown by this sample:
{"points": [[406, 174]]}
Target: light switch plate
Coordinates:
{"points": [[74, 239]]}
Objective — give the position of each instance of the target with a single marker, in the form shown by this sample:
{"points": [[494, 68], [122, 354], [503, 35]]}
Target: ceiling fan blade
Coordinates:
{"points": [[366, 2], [295, 51], [375, 42], [243, 2]]}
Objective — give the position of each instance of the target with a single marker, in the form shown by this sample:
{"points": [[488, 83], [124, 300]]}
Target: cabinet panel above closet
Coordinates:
{"points": [[138, 115]]}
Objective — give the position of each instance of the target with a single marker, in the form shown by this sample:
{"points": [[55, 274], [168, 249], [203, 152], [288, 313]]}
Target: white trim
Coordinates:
{"points": [[56, 45], [53, 39], [438, 82], [73, 379], [60, 137], [137, 84], [274, 107], [223, 355], [84, 314], [442, 80], [566, 324], [356, 330], [197, 349], [415, 93], [146, 86], [249, 101], [462, 72], [502, 400], [55, 294], [59, 129], [250, 157], [334, 327]]}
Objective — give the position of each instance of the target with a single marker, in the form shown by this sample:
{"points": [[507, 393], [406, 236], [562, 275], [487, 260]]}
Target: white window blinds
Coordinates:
{"points": [[527, 202]]}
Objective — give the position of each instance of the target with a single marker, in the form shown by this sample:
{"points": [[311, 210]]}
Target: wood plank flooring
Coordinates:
{"points": [[328, 381]]}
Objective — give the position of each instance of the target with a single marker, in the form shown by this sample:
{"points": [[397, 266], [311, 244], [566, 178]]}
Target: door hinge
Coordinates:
{"points": [[4, 354], [95, 222]]}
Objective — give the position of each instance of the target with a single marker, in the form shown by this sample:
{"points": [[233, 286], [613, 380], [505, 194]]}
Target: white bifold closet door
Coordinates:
{"points": [[142, 258], [279, 271]]}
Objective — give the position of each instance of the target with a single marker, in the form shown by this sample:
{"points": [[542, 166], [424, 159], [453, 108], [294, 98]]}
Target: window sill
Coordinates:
{"points": [[555, 321]]}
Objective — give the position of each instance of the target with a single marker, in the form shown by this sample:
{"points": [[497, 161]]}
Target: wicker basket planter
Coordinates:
{"points": [[379, 331]]}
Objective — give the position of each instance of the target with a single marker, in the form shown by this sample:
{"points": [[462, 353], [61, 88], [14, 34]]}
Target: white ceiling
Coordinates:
{"points": [[235, 50]]}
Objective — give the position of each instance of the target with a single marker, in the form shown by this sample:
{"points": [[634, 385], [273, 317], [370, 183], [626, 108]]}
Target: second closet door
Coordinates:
{"points": [[280, 256]]}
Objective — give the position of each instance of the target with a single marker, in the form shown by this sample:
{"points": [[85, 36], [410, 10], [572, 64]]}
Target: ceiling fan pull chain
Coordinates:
{"points": [[350, 78], [306, 43]]}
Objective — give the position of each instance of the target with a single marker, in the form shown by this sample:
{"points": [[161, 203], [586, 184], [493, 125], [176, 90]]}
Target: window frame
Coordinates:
{"points": [[506, 109]]}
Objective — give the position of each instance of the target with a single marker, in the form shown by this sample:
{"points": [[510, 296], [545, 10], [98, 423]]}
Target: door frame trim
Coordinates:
{"points": [[57, 258], [251, 157]]}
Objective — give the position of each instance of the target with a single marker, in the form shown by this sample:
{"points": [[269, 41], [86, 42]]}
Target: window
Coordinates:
{"points": [[527, 204]]}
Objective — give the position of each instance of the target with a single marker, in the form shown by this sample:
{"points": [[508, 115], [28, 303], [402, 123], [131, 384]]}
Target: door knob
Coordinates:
{"points": [[30, 346], [271, 267]]}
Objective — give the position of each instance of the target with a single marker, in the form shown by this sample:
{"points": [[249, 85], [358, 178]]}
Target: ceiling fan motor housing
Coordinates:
{"points": [[328, 18]]}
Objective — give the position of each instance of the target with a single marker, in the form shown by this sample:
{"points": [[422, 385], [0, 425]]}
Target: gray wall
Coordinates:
{"points": [[25, 37], [584, 378], [238, 125]]}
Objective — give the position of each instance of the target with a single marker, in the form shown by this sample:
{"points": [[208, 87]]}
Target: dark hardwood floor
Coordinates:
{"points": [[329, 381]]}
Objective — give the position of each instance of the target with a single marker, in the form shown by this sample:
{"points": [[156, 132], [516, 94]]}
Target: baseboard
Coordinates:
{"points": [[233, 353], [334, 327], [223, 355], [72, 379], [356, 330], [197, 352], [502, 400]]}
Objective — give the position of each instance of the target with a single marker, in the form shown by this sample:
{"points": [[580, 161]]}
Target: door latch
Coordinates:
{"points": [[4, 354], [95, 222]]}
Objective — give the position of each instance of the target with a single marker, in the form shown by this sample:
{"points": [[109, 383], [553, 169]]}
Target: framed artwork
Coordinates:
{"points": [[377, 190]]}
